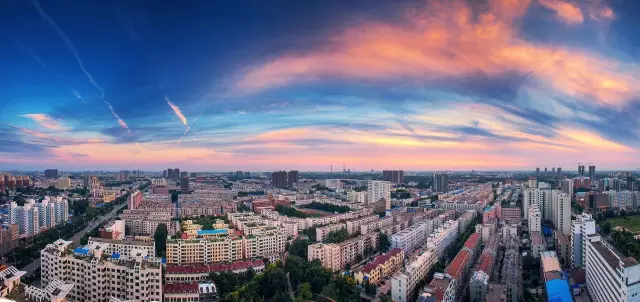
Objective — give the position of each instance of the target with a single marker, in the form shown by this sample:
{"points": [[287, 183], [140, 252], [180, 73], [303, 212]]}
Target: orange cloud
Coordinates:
{"points": [[566, 11], [449, 40], [45, 120], [177, 111]]}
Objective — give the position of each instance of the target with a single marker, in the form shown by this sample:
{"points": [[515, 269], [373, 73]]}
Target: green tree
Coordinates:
{"points": [[383, 242], [174, 196], [160, 238], [299, 247], [337, 236], [303, 293], [606, 228], [386, 298]]}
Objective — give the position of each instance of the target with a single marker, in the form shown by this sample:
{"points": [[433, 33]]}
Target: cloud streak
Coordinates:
{"points": [[46, 121], [177, 111], [566, 11]]}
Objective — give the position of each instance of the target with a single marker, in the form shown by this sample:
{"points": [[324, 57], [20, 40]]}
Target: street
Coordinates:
{"points": [[35, 264]]}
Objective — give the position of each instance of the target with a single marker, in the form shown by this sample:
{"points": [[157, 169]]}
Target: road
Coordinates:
{"points": [[35, 264]]}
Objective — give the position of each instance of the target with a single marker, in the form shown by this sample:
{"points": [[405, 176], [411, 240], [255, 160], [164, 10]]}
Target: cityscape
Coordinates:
{"points": [[320, 151]]}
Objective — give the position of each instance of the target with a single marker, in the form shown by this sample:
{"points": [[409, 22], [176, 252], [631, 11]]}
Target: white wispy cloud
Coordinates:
{"points": [[177, 110], [45, 121]]}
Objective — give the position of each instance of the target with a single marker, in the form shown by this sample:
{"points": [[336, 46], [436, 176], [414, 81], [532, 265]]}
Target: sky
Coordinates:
{"points": [[269, 85]]}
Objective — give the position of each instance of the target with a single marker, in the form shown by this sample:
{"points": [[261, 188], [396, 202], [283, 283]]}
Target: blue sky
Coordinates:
{"points": [[254, 85]]}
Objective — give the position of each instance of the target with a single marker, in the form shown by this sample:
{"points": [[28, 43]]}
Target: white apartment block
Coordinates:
{"points": [[561, 211], [623, 199], [415, 235], [443, 237], [27, 217], [379, 224], [535, 220], [322, 232], [582, 227], [378, 189], [131, 248], [225, 249], [353, 226], [97, 276], [334, 256], [538, 198], [358, 197], [404, 283], [609, 275]]}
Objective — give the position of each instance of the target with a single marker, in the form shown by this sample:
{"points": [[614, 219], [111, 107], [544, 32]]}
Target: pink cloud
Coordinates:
{"points": [[46, 121], [566, 11]]}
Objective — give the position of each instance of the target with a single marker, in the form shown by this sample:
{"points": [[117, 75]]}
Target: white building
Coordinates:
{"points": [[609, 275], [131, 248], [443, 237], [415, 235], [537, 198], [404, 283], [334, 184], [377, 190], [355, 196], [561, 211], [535, 222], [27, 217], [97, 276], [582, 227]]}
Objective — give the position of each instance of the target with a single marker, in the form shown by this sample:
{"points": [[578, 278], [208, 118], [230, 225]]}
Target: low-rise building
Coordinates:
{"points": [[381, 267], [537, 244], [125, 247], [180, 292], [562, 246], [403, 283], [334, 256], [201, 273], [322, 232]]}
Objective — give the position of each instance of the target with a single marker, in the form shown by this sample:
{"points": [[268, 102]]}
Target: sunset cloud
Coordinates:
{"points": [[45, 121], [177, 111], [566, 11]]}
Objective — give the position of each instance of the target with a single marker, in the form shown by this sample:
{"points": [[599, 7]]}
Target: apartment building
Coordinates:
{"points": [[376, 225], [125, 247], [537, 198], [479, 282], [334, 256], [322, 232], [33, 217], [353, 226], [511, 214], [561, 211], [144, 221], [181, 292], [403, 283], [583, 226], [464, 220], [535, 220], [610, 276], [415, 235], [443, 237], [381, 267], [511, 273], [204, 251], [55, 291], [97, 275], [206, 208], [114, 229], [201, 273], [379, 190]]}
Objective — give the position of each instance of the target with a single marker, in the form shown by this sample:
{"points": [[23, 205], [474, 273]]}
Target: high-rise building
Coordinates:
{"points": [[553, 171], [559, 170], [610, 276], [535, 220], [98, 275], [176, 173], [165, 174], [239, 175], [184, 185], [592, 172], [581, 170], [50, 173], [545, 171], [538, 171], [582, 227], [561, 211], [537, 198], [394, 176], [378, 190], [279, 179], [440, 182], [292, 177], [566, 185], [135, 199], [631, 181]]}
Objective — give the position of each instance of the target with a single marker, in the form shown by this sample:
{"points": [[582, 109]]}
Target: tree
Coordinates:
{"points": [[386, 298], [299, 247], [303, 292], [174, 196], [160, 238], [383, 242], [337, 236], [370, 289], [606, 228]]}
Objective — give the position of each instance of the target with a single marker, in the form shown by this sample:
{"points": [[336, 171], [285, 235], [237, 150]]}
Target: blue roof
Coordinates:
{"points": [[547, 231], [115, 256], [558, 291], [213, 232], [80, 250]]}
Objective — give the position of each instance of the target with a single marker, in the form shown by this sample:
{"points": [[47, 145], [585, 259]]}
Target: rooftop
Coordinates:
{"points": [[174, 288], [201, 269], [558, 291], [380, 260], [473, 241], [126, 241], [486, 263], [562, 238], [458, 264], [536, 238]]}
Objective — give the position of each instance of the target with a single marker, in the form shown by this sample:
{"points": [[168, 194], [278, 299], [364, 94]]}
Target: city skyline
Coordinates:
{"points": [[417, 85]]}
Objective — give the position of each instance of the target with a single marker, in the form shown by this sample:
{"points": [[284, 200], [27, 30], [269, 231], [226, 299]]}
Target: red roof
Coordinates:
{"points": [[486, 263], [473, 241], [457, 266], [181, 288], [201, 269], [380, 260]]}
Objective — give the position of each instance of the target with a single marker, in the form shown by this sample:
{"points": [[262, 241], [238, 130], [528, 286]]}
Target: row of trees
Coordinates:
{"points": [[291, 212], [337, 236], [401, 194], [327, 207]]}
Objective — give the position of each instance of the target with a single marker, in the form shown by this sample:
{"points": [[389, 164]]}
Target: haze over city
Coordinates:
{"points": [[415, 85]]}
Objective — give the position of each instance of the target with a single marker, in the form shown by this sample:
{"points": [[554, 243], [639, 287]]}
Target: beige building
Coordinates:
{"points": [[334, 256], [322, 232], [97, 275]]}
